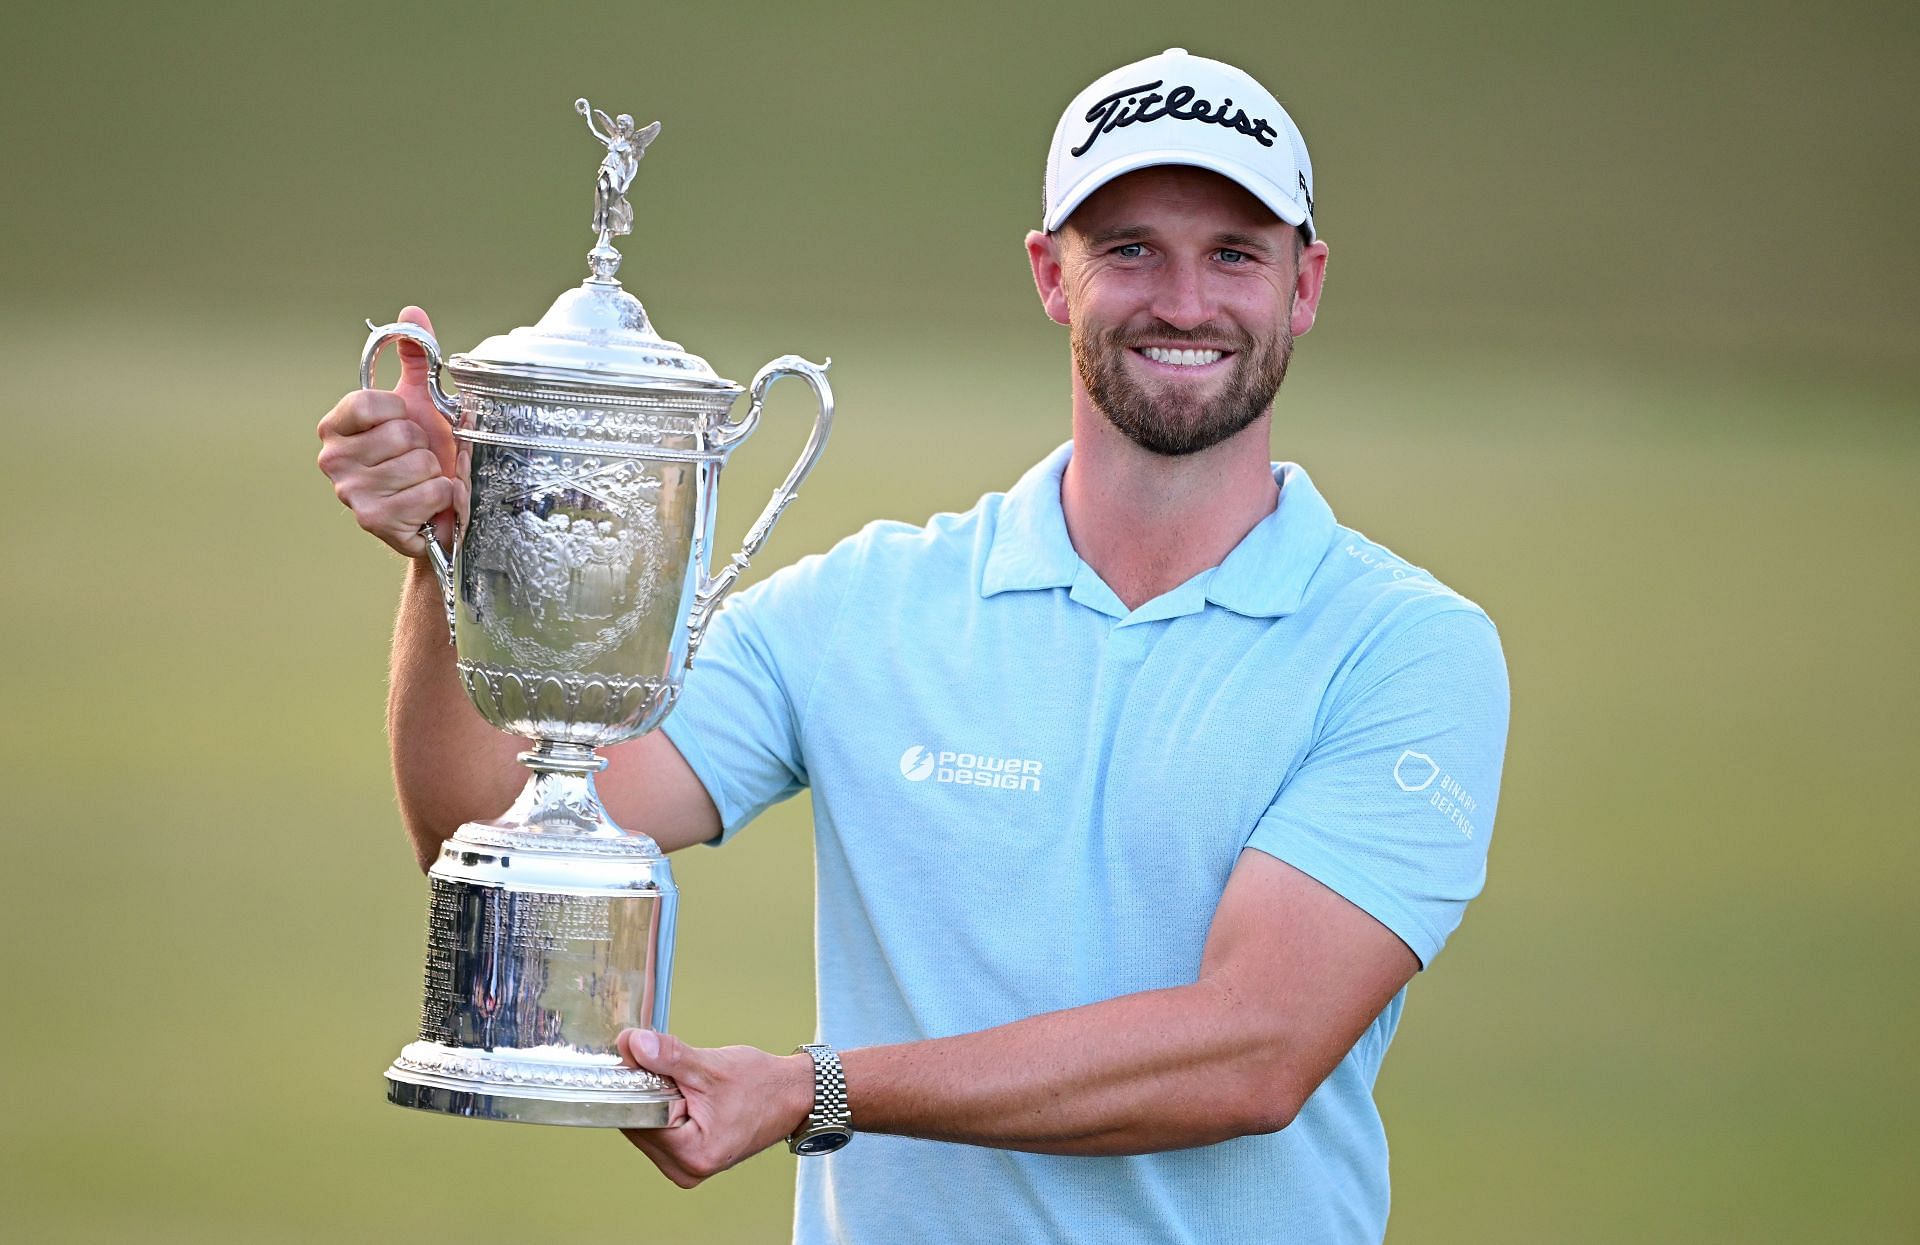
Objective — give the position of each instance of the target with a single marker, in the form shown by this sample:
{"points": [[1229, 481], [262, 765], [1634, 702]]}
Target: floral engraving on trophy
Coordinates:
{"points": [[647, 422], [593, 704], [563, 553]]}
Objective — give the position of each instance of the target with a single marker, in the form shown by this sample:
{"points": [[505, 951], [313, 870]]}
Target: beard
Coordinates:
{"points": [[1160, 418]]}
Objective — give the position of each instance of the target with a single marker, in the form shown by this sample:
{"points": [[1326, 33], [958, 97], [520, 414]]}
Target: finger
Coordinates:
{"points": [[377, 463], [454, 518], [397, 518], [399, 473], [639, 1047], [648, 1143], [413, 357], [665, 1055], [360, 486], [413, 389], [359, 411], [341, 454], [456, 455]]}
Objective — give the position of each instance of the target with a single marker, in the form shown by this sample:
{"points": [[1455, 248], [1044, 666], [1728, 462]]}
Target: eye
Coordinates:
{"points": [[1230, 256], [1130, 250]]}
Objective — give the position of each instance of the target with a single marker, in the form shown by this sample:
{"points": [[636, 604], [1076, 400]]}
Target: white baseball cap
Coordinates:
{"points": [[1179, 109]]}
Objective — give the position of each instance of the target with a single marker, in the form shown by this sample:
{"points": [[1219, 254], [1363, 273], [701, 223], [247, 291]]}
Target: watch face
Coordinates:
{"points": [[826, 1141]]}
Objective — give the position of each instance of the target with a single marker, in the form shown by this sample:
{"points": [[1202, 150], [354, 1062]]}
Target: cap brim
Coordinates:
{"points": [[1255, 184]]}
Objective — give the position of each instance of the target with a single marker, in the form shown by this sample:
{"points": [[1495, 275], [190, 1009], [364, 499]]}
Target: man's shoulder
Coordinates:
{"points": [[893, 548], [1392, 629], [887, 558], [1362, 580]]}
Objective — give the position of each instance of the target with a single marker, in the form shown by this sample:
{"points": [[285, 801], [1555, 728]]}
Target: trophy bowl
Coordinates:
{"points": [[577, 593]]}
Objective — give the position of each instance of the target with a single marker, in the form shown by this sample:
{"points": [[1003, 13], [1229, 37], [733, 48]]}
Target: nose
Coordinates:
{"points": [[1181, 298]]}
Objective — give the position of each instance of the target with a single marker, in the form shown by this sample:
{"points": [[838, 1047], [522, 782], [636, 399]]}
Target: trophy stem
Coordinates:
{"points": [[551, 756], [559, 798]]}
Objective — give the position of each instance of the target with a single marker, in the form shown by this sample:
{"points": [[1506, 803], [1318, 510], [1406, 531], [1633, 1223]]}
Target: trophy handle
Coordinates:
{"points": [[449, 409], [714, 588], [448, 406]]}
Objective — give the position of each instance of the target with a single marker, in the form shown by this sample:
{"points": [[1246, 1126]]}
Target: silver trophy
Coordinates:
{"points": [[576, 595]]}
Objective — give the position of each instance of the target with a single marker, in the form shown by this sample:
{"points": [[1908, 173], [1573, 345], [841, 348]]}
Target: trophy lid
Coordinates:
{"points": [[597, 336]]}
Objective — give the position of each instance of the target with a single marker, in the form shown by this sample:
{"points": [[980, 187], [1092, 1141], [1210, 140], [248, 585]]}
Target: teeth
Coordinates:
{"points": [[1181, 358]]}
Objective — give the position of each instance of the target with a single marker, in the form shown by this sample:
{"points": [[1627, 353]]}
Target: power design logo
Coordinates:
{"points": [[916, 764], [970, 769]]}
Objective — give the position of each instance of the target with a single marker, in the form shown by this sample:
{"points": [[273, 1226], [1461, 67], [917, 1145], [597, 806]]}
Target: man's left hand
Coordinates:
{"points": [[740, 1100]]}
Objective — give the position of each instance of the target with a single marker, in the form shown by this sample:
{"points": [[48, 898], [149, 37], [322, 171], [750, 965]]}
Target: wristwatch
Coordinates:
{"points": [[830, 1124]]}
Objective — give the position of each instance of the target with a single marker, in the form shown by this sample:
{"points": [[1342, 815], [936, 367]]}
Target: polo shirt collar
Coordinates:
{"points": [[1264, 576], [1030, 544]]}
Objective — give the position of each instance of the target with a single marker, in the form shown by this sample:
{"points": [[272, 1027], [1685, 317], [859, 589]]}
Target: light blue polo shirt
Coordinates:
{"points": [[1027, 797]]}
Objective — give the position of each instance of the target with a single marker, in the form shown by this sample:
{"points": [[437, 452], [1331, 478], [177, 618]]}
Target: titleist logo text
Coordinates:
{"points": [[1135, 104]]}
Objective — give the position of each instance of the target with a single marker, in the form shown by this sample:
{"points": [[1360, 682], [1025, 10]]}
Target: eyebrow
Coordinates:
{"points": [[1233, 240], [1243, 242], [1120, 233]]}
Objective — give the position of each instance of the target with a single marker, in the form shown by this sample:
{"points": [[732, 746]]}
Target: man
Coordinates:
{"points": [[1140, 791]]}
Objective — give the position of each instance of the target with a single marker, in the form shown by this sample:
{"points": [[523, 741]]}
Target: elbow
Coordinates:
{"points": [[426, 843], [1266, 1117], [1262, 1069], [427, 829], [1266, 1099]]}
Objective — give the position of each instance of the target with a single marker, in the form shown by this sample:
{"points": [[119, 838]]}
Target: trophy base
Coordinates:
{"points": [[413, 1082]]}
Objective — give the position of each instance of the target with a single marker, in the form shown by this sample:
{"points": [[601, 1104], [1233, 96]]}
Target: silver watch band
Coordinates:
{"points": [[830, 1124]]}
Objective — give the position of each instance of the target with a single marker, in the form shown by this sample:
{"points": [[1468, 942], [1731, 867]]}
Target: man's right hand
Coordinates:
{"points": [[393, 458]]}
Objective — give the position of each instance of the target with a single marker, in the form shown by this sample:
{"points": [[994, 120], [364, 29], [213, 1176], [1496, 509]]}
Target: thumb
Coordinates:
{"points": [[660, 1053], [412, 388], [413, 358]]}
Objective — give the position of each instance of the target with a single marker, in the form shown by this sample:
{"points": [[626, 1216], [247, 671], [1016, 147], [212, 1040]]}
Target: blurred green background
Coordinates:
{"points": [[1617, 339]]}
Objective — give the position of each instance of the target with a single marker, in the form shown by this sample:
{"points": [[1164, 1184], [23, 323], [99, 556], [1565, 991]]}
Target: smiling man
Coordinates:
{"points": [[1120, 883], [1179, 360]]}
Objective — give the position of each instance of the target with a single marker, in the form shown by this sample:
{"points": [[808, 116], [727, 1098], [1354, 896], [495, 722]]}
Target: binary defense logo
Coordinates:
{"points": [[970, 769], [1415, 771]]}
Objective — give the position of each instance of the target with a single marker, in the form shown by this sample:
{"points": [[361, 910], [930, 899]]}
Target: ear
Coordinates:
{"points": [[1308, 277], [1043, 253]]}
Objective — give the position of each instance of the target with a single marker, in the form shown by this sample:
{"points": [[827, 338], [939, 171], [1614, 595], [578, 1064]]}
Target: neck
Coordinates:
{"points": [[1147, 523]]}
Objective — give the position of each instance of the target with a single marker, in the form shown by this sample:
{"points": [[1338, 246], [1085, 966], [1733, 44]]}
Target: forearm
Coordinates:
{"points": [[449, 765], [1160, 1070], [1292, 975]]}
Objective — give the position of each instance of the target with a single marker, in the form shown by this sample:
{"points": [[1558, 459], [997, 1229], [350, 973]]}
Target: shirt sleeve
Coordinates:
{"points": [[1393, 805], [740, 718]]}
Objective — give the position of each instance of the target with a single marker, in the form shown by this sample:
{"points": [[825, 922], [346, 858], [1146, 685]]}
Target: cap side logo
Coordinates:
{"points": [[1136, 105]]}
